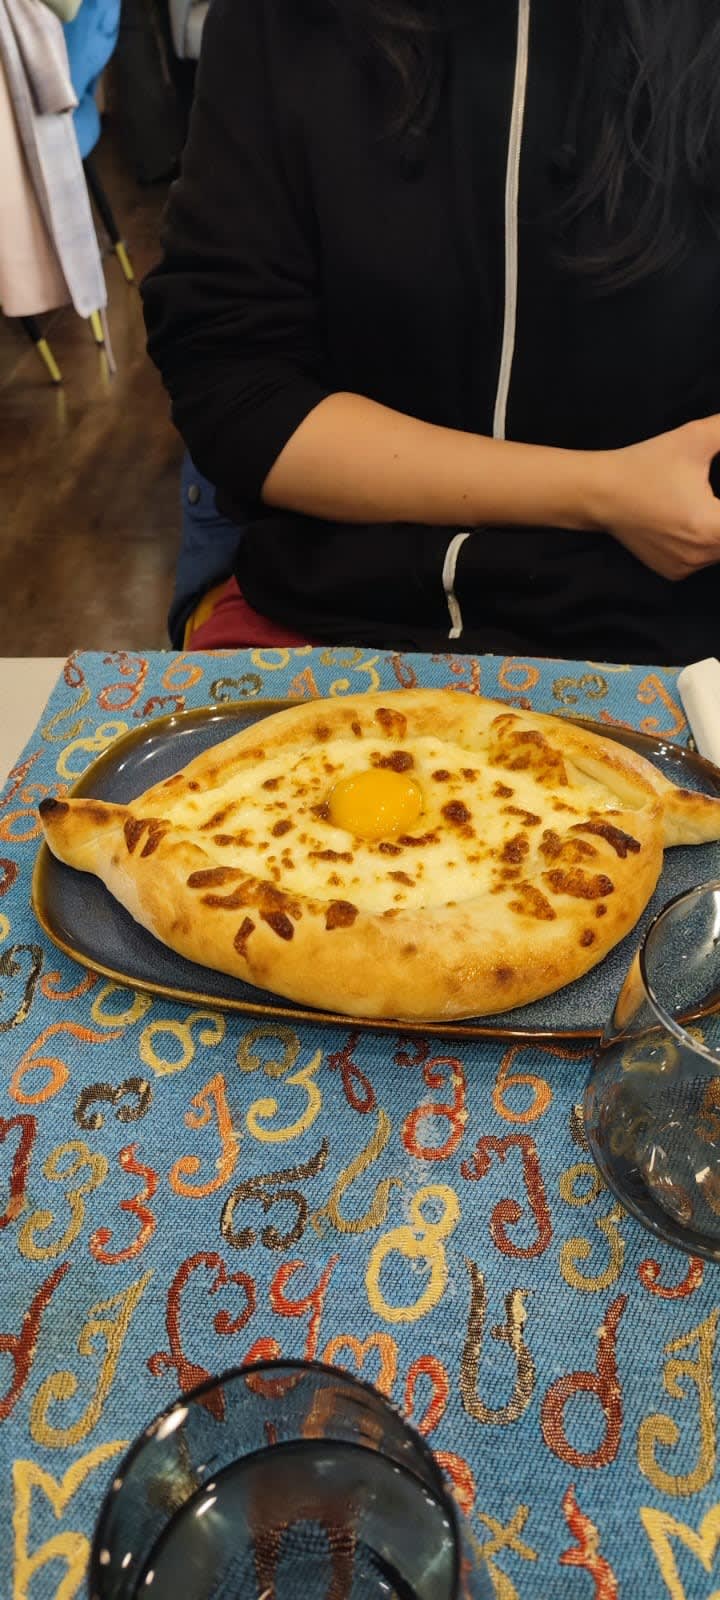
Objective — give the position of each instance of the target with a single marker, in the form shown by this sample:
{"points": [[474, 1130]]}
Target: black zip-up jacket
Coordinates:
{"points": [[305, 253]]}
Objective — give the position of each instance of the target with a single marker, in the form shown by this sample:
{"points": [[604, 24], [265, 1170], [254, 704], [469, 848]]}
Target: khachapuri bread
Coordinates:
{"points": [[420, 854]]}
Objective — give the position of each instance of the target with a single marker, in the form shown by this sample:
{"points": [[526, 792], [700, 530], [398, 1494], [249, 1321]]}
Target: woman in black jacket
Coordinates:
{"points": [[439, 315]]}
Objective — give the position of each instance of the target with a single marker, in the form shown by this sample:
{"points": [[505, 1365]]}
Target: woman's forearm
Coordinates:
{"points": [[352, 460]]}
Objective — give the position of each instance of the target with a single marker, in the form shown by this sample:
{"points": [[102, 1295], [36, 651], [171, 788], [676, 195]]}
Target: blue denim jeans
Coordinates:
{"points": [[208, 543]]}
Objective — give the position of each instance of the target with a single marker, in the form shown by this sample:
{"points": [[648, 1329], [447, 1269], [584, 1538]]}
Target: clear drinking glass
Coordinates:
{"points": [[282, 1481], [652, 1105]]}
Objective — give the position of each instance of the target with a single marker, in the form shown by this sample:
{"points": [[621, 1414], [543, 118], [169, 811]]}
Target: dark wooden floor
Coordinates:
{"points": [[89, 497]]}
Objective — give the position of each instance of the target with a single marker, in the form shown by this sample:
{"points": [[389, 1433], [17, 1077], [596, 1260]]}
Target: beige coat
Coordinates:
{"points": [[40, 97], [31, 280]]}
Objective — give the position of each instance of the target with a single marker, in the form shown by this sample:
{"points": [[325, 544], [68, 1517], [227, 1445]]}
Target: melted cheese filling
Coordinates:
{"points": [[478, 827]]}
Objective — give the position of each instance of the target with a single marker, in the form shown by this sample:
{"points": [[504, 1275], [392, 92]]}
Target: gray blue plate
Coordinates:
{"points": [[80, 916]]}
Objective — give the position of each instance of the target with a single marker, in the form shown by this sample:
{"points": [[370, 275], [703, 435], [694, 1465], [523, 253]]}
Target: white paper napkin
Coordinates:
{"points": [[699, 688]]}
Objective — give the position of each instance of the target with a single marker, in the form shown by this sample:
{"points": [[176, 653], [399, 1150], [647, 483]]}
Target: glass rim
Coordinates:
{"points": [[270, 1368], [678, 1029]]}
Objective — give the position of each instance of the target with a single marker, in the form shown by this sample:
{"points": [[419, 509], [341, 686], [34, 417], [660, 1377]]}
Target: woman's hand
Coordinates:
{"points": [[655, 498]]}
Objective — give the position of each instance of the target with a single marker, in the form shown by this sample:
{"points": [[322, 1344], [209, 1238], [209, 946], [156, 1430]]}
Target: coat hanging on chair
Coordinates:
{"points": [[35, 67]]}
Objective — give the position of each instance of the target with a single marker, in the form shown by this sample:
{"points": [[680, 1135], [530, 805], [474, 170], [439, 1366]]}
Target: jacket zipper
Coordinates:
{"points": [[507, 354]]}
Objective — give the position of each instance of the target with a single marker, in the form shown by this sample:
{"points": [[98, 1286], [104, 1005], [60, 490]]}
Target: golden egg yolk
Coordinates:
{"points": [[374, 804]]}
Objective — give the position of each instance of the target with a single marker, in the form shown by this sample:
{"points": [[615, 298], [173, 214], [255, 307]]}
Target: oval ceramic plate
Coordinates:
{"points": [[81, 917]]}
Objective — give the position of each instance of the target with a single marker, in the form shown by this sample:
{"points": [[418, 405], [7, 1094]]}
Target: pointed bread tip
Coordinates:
{"points": [[50, 807]]}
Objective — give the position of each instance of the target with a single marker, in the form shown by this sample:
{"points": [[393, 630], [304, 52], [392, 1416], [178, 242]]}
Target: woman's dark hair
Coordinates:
{"points": [[642, 147]]}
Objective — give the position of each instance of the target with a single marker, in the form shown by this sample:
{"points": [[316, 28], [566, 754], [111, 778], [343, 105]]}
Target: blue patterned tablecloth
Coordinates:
{"points": [[443, 1229]]}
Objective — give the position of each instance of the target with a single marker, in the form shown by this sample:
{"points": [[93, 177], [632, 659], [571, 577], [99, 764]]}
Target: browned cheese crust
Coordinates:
{"points": [[537, 849]]}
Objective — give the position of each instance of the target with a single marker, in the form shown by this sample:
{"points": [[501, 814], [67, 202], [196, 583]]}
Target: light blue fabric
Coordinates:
{"points": [[423, 1209], [91, 38]]}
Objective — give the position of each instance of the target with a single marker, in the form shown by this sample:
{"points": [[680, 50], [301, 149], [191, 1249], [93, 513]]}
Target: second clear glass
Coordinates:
{"points": [[652, 1105]]}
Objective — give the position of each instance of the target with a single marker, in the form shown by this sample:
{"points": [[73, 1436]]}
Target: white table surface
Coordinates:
{"points": [[25, 687]]}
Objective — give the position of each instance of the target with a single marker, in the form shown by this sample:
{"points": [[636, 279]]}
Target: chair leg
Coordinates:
{"points": [[100, 199], [35, 333], [98, 331]]}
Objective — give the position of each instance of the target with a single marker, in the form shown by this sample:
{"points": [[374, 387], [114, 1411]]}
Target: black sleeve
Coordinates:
{"points": [[232, 310]]}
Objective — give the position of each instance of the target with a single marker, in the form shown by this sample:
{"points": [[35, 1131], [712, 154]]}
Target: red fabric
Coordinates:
{"points": [[234, 624]]}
